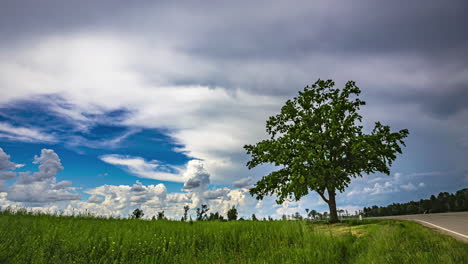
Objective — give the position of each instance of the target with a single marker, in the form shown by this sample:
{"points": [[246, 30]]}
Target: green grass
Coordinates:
{"points": [[26, 238]]}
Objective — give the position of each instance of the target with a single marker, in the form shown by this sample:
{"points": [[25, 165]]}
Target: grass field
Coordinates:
{"points": [[26, 238]]}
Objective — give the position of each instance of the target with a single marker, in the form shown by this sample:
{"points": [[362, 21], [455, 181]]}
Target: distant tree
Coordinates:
{"points": [[186, 208], [232, 214], [137, 213], [444, 202], [161, 215], [297, 216], [340, 212], [254, 217], [215, 217], [153, 218], [319, 144], [307, 212], [325, 215], [320, 216], [201, 212], [313, 214], [284, 217]]}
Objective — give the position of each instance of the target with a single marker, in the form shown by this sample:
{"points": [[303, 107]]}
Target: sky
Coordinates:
{"points": [[107, 106]]}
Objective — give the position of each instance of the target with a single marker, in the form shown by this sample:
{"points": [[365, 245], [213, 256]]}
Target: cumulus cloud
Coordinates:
{"points": [[5, 169], [42, 186], [381, 185], [5, 162], [197, 176], [40, 191], [95, 199], [411, 187]]}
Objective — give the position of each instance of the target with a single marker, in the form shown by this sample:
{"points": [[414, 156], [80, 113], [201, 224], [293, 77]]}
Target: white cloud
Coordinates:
{"points": [[95, 199], [408, 187], [387, 187], [40, 191], [243, 183], [212, 124], [41, 186], [145, 169], [24, 134], [5, 169], [397, 183], [197, 178], [5, 162]]}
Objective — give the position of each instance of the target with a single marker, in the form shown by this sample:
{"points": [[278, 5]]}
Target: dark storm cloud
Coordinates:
{"points": [[243, 29], [279, 48], [30, 18]]}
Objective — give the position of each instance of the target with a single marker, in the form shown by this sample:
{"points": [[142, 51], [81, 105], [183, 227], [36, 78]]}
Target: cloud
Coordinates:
{"points": [[381, 186], [197, 176], [41, 186], [5, 162], [145, 169], [408, 187], [95, 199], [40, 191], [5, 166], [24, 134], [210, 87], [243, 183], [378, 188]]}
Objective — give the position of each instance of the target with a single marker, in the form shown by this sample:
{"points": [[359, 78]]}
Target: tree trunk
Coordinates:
{"points": [[332, 206]]}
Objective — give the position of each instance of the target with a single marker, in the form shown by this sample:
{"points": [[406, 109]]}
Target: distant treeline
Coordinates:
{"points": [[444, 202]]}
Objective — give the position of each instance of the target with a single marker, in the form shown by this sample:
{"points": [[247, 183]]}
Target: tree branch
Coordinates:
{"points": [[323, 196]]}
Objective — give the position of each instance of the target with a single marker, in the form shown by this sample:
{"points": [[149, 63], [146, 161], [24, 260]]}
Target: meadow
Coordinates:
{"points": [[29, 238]]}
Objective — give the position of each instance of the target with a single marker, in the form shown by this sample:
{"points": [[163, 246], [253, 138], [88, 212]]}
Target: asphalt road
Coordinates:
{"points": [[454, 224]]}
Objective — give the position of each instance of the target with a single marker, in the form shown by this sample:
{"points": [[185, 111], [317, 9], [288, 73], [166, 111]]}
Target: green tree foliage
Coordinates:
{"points": [[215, 217], [201, 212], [296, 216], [318, 144], [312, 214], [232, 214], [254, 217], [161, 216], [186, 208], [137, 213], [444, 202]]}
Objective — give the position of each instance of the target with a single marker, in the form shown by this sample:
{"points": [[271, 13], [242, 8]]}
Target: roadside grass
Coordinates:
{"points": [[27, 238]]}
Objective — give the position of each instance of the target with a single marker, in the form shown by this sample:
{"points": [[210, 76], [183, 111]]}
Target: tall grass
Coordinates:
{"points": [[26, 238]]}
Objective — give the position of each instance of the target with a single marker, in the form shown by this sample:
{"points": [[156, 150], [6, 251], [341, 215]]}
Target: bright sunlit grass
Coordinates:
{"points": [[26, 238]]}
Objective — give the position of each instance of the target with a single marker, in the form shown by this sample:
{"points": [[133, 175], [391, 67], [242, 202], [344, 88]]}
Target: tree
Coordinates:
{"points": [[254, 217], [312, 214], [215, 217], [296, 216], [318, 144], [201, 212], [161, 215], [137, 213], [186, 208], [232, 214]]}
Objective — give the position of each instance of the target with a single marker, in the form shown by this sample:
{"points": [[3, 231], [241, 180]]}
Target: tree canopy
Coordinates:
{"points": [[318, 143]]}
